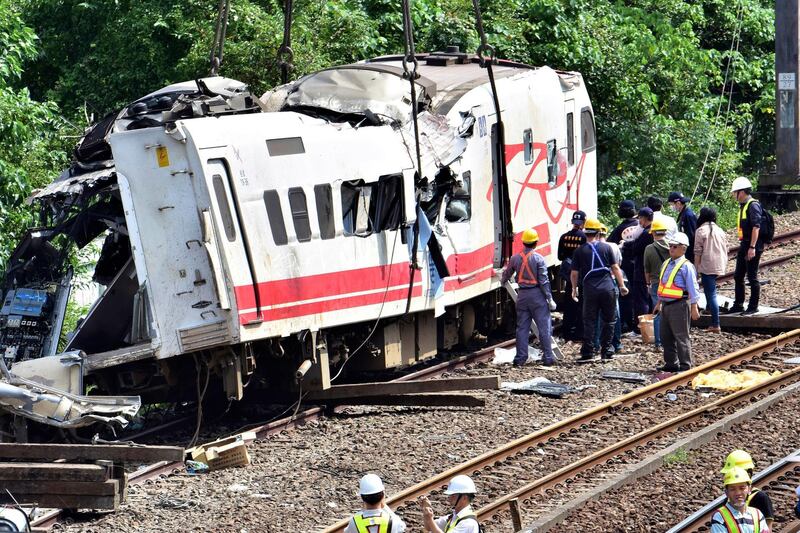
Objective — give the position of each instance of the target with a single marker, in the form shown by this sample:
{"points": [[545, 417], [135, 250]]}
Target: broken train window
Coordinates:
{"points": [[459, 208], [552, 162], [372, 207]]}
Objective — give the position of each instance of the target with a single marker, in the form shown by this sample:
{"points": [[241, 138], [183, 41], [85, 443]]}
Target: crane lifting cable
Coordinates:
{"points": [[505, 231], [219, 35], [285, 53], [410, 66]]}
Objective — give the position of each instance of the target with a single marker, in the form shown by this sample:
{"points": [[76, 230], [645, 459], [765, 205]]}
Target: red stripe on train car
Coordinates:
{"points": [[338, 304], [284, 291]]}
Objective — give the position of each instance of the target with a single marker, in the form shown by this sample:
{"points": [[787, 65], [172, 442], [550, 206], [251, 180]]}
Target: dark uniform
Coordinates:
{"points": [[687, 223], [640, 293], [749, 218], [567, 244], [532, 302], [625, 307], [593, 261]]}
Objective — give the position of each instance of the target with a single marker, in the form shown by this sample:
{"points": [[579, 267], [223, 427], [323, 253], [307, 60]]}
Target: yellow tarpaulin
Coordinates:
{"points": [[732, 381]]}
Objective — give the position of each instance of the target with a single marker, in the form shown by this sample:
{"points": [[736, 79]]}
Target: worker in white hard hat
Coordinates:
{"points": [[375, 517], [677, 302], [751, 245], [736, 516], [460, 493]]}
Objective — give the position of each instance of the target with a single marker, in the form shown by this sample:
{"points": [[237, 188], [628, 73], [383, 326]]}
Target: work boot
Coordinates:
{"points": [[749, 311], [548, 362], [734, 309], [713, 329]]}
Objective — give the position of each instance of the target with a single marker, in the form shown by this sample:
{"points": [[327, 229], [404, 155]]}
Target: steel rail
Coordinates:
{"points": [[576, 421], [262, 431], [766, 264], [770, 474], [777, 240], [643, 437]]}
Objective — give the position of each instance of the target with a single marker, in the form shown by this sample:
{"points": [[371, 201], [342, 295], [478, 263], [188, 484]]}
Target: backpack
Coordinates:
{"points": [[767, 232]]}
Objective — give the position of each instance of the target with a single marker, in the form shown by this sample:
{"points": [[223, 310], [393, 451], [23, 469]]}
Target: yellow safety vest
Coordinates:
{"points": [[448, 527], [733, 526], [742, 216], [373, 524], [668, 290]]}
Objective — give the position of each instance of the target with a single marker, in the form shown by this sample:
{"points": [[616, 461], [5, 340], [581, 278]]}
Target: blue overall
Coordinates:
{"points": [[532, 296]]}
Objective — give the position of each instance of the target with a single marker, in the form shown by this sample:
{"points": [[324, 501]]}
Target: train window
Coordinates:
{"points": [[224, 207], [527, 143], [356, 198], [386, 209], [570, 140], [287, 146], [324, 197], [552, 162], [459, 207], [275, 214], [297, 203], [588, 142]]}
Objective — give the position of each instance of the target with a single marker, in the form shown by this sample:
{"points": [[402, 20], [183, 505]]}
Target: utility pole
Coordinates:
{"points": [[782, 189]]}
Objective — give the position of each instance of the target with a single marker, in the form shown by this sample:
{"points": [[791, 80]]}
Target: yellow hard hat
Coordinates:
{"points": [[592, 225], [658, 225], [603, 228], [736, 475], [530, 236], [738, 458]]}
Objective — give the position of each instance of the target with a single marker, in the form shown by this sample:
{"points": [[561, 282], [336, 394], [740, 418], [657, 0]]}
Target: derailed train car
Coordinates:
{"points": [[255, 235]]}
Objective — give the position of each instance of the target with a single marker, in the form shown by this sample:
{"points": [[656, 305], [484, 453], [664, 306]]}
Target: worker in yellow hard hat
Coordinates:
{"points": [[571, 324], [757, 498], [655, 254], [736, 516], [593, 266], [534, 298]]}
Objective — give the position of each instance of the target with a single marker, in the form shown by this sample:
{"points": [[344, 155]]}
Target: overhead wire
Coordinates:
{"points": [[728, 110], [380, 311], [734, 39]]}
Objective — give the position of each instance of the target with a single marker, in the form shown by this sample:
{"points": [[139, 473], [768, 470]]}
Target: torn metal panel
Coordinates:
{"points": [[75, 185], [62, 372], [54, 407], [441, 143], [356, 89]]}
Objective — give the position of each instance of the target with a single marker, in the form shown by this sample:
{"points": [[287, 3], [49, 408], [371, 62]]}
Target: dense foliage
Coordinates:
{"points": [[655, 71]]}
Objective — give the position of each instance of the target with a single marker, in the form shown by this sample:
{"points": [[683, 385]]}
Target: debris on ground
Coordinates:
{"points": [[224, 453], [505, 356], [538, 385], [628, 377]]}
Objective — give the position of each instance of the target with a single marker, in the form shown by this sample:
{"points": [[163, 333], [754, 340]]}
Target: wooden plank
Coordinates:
{"points": [[424, 400], [773, 321], [82, 488], [65, 501], [362, 390], [52, 472], [92, 452]]}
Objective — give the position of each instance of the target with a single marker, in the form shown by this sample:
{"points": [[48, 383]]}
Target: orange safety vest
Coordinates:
{"points": [[742, 216], [525, 276], [668, 290], [733, 526]]}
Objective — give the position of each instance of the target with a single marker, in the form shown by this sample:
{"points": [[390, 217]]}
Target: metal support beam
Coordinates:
{"points": [[364, 390]]}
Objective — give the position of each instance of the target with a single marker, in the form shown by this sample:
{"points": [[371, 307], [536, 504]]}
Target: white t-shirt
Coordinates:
{"points": [[668, 221], [398, 526], [465, 526]]}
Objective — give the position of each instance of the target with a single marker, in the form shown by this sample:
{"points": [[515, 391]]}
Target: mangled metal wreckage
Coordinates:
{"points": [[240, 231]]}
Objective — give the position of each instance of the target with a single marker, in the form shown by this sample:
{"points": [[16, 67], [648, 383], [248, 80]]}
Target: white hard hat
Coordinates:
{"points": [[741, 183], [461, 485], [370, 484], [679, 238]]}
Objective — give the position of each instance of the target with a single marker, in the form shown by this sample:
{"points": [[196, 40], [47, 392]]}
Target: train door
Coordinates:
{"points": [[231, 239], [501, 204]]}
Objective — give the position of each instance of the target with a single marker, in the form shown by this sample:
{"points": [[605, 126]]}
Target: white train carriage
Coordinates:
{"points": [[289, 233]]}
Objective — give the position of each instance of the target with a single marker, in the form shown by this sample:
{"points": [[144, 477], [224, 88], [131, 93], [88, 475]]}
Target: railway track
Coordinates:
{"points": [[779, 480], [777, 241], [641, 413], [263, 431]]}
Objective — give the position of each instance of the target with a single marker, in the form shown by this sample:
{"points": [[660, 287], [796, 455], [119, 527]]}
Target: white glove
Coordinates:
{"points": [[551, 304]]}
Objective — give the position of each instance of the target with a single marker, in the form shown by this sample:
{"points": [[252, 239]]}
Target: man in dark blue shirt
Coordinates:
{"points": [[593, 264], [751, 246], [687, 220], [571, 327], [625, 232]]}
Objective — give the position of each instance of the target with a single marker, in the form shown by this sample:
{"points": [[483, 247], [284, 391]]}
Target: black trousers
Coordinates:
{"points": [[603, 304], [640, 300], [572, 327], [750, 270]]}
